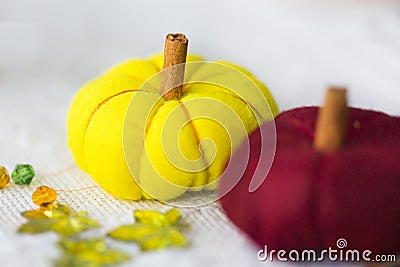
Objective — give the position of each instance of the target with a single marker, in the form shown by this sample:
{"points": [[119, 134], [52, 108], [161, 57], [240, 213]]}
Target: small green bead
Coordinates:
{"points": [[23, 174]]}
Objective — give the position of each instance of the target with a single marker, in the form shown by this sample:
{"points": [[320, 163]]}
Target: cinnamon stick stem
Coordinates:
{"points": [[331, 124], [175, 52]]}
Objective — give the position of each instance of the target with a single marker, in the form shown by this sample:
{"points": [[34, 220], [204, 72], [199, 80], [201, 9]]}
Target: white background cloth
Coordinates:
{"points": [[48, 49]]}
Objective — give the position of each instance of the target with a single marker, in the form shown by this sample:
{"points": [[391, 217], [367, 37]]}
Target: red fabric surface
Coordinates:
{"points": [[309, 200]]}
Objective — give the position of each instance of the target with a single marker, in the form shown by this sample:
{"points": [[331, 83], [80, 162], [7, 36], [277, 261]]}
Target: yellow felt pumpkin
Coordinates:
{"points": [[136, 142]]}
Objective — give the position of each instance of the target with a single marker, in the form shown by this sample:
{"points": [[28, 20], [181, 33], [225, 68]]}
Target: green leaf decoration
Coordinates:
{"points": [[153, 230]]}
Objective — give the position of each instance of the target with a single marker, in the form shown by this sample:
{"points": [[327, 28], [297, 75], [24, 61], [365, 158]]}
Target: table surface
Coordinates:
{"points": [[49, 50]]}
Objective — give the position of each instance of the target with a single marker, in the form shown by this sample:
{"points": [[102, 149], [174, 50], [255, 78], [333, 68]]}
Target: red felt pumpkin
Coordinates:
{"points": [[312, 197]]}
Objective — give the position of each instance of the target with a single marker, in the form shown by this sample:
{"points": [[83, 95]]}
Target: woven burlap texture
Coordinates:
{"points": [[214, 241]]}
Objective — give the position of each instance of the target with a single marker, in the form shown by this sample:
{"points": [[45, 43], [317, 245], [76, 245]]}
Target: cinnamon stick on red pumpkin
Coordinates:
{"points": [[331, 122]]}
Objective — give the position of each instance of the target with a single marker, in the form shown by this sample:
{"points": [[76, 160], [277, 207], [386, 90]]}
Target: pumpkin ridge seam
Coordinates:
{"points": [[196, 135], [147, 127]]}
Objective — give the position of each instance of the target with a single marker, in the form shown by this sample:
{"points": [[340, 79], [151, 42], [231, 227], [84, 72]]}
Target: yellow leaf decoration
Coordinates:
{"points": [[92, 252], [76, 252], [153, 230], [51, 211], [57, 218]]}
